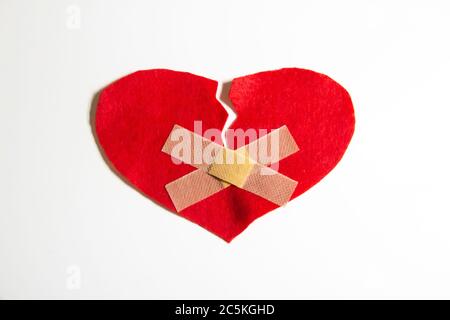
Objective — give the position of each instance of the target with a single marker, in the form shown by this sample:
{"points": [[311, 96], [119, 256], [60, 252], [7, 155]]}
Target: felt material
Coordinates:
{"points": [[136, 113], [229, 166]]}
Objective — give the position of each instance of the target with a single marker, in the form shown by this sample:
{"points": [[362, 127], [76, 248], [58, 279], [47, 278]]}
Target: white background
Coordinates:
{"points": [[378, 226]]}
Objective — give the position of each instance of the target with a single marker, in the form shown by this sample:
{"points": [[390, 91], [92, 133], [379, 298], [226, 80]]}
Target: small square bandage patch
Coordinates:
{"points": [[232, 166]]}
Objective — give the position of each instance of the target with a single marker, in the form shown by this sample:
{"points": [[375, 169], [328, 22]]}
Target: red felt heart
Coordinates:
{"points": [[135, 115]]}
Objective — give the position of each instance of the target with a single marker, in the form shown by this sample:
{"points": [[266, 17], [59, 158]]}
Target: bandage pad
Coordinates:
{"points": [[232, 166], [215, 172]]}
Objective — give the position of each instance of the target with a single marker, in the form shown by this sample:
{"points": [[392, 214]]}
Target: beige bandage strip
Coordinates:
{"points": [[192, 188], [248, 175]]}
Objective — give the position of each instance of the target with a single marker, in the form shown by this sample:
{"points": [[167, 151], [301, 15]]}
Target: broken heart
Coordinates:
{"points": [[135, 115]]}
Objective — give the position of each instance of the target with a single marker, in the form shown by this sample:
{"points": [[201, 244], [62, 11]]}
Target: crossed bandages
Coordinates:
{"points": [[242, 172]]}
